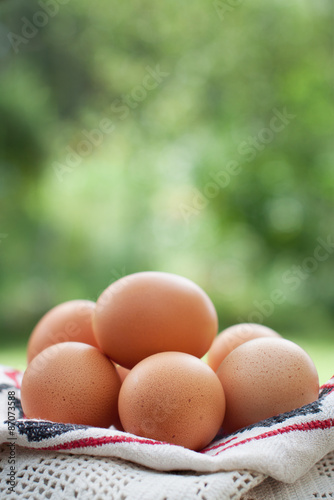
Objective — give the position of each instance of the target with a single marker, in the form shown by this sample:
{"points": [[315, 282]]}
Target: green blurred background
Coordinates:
{"points": [[190, 138]]}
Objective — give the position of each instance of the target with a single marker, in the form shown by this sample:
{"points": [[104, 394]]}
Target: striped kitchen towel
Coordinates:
{"points": [[284, 447]]}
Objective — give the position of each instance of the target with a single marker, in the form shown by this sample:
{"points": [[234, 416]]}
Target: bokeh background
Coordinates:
{"points": [[190, 138]]}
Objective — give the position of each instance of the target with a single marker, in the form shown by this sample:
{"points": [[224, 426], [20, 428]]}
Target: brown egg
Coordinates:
{"points": [[68, 322], [149, 312], [72, 383], [172, 397], [232, 337], [265, 377]]}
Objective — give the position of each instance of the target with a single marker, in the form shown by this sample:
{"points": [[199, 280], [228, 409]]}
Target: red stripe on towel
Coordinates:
{"points": [[13, 374], [306, 426], [86, 442]]}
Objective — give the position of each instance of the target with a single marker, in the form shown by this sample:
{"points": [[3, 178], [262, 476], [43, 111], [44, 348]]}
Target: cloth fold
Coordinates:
{"points": [[284, 447]]}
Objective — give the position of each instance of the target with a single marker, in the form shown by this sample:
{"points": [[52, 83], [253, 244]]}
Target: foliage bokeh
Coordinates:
{"points": [[144, 198]]}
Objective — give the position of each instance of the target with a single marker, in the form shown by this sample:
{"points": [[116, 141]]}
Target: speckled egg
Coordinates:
{"points": [[232, 337], [263, 378], [67, 322], [71, 382], [172, 397]]}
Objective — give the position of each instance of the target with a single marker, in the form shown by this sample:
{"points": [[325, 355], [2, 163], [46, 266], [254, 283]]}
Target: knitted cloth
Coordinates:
{"points": [[53, 460]]}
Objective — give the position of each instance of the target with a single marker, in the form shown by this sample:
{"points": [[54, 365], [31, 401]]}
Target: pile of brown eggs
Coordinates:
{"points": [[132, 360]]}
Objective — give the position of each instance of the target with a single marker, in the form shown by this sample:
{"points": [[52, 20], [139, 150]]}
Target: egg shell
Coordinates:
{"points": [[71, 382], [67, 322], [232, 337], [149, 312], [263, 378], [172, 397]]}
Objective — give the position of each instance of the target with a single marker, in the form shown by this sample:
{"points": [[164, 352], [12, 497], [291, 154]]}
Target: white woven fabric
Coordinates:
{"points": [[59, 476], [284, 447], [318, 483]]}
